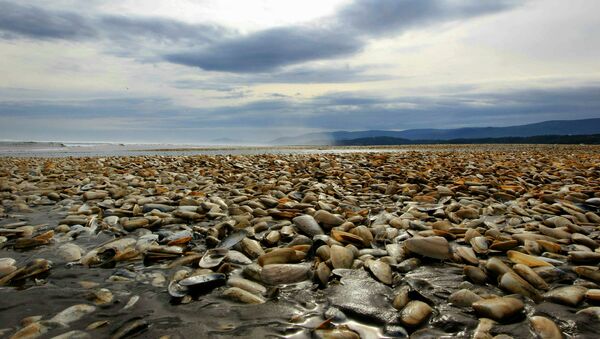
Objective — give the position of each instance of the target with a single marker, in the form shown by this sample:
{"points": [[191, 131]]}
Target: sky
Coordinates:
{"points": [[202, 71]]}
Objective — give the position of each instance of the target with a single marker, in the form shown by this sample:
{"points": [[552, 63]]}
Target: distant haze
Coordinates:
{"points": [[229, 71]]}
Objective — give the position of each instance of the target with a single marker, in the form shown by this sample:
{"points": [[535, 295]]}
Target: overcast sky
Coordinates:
{"points": [[191, 71]]}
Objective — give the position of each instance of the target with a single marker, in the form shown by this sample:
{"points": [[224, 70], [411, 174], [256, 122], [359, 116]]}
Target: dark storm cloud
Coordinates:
{"points": [[376, 17], [341, 35], [37, 23], [162, 30], [269, 49], [29, 21]]}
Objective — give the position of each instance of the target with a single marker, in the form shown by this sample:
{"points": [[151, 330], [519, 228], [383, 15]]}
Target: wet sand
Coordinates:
{"points": [[366, 269]]}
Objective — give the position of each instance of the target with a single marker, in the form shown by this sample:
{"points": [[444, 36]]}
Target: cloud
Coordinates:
{"points": [[338, 36], [269, 49], [377, 17], [46, 24], [296, 74], [335, 111], [33, 22], [216, 48]]}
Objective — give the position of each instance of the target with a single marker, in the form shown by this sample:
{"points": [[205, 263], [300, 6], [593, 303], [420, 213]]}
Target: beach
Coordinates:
{"points": [[186, 241]]}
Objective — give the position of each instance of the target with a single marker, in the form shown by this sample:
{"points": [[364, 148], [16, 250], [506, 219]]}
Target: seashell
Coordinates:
{"points": [[482, 331], [593, 295], [191, 259], [32, 269], [323, 273], [323, 252], [401, 298], [32, 330], [529, 274], [521, 237], [549, 246], [203, 281], [94, 195], [73, 313], [584, 240], [503, 245], [415, 313], [273, 237], [132, 301], [467, 213], [213, 258], [532, 247], [242, 295], [557, 233], [584, 257], [238, 258], [550, 273], [252, 248], [26, 243], [471, 233], [395, 251], [545, 328], [568, 295], [592, 312], [475, 274], [432, 247], [341, 257], [364, 233], [7, 266], [102, 296], [70, 252], [307, 225], [496, 266], [498, 309], [408, 265], [588, 273], [130, 328], [278, 256], [381, 270], [467, 254], [326, 218], [277, 274], [232, 239], [252, 271], [512, 282], [526, 259], [131, 224], [479, 244], [178, 238], [347, 238], [340, 332], [463, 298]]}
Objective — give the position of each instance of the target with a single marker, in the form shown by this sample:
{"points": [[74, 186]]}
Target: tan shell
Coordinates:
{"points": [[432, 247], [545, 328], [498, 308], [526, 259], [415, 313], [341, 257]]}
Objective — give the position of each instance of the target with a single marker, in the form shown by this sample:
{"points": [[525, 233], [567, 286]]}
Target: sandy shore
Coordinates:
{"points": [[428, 241]]}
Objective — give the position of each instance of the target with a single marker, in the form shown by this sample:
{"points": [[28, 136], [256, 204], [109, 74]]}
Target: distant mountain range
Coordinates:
{"points": [[547, 128], [587, 139]]}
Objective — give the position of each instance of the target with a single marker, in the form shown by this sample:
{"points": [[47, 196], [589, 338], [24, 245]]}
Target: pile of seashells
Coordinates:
{"points": [[518, 227]]}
